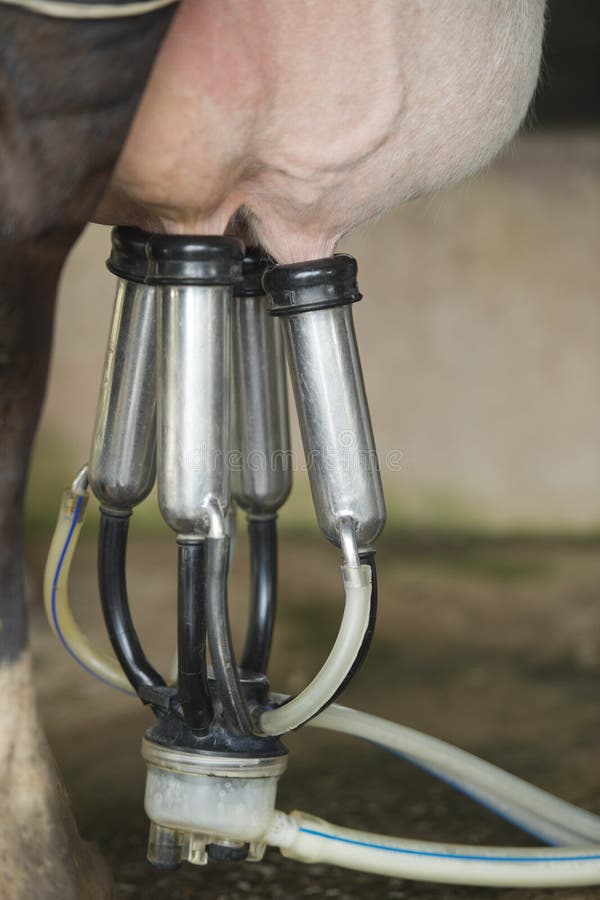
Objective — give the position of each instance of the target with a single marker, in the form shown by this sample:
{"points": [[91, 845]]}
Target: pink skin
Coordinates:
{"points": [[311, 117]]}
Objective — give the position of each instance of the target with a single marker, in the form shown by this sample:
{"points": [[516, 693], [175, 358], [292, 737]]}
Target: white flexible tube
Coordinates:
{"points": [[354, 625], [56, 595], [492, 797], [310, 840], [60, 10], [531, 807]]}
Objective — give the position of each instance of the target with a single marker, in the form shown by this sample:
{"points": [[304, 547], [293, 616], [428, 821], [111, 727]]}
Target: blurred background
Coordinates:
{"points": [[480, 337]]}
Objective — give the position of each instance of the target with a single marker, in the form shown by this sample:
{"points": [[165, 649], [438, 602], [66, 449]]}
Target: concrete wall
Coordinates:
{"points": [[480, 340]]}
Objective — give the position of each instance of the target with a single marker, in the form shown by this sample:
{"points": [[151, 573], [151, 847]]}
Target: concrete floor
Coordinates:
{"points": [[494, 646]]}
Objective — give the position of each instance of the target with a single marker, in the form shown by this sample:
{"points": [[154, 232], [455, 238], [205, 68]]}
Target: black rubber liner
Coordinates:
{"points": [[186, 259], [317, 284]]}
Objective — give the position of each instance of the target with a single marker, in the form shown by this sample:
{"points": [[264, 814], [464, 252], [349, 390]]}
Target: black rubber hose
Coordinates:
{"points": [[191, 637], [236, 718], [112, 550], [262, 536]]}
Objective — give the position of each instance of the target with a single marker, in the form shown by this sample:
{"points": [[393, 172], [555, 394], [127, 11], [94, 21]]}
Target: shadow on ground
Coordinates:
{"points": [[494, 646]]}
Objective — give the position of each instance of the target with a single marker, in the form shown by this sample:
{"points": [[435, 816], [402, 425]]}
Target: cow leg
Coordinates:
{"points": [[68, 92], [41, 853]]}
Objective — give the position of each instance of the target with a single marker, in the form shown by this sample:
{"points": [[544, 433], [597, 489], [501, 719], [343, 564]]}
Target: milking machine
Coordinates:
{"points": [[193, 398]]}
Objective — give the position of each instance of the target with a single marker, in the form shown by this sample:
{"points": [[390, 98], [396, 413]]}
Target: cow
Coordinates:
{"points": [[287, 123]]}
